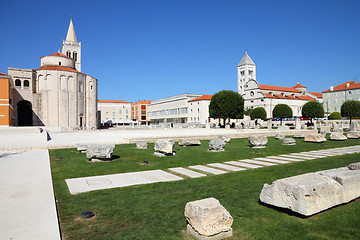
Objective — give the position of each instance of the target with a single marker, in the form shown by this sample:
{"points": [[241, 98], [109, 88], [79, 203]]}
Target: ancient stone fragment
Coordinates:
{"points": [[216, 145], [289, 141], [208, 217], [257, 141], [314, 137], [280, 136], [337, 136], [141, 145], [189, 142], [99, 152]]}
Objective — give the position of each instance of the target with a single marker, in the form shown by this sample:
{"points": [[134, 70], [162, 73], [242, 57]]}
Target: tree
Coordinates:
{"points": [[312, 110], [258, 112], [350, 108], [226, 104], [335, 116], [282, 111]]}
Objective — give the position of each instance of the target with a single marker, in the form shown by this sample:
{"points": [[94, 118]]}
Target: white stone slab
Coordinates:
{"points": [[226, 167], [302, 156], [286, 159], [271, 160], [322, 153], [258, 162], [295, 156], [187, 172], [208, 169], [242, 164], [313, 155], [87, 184]]}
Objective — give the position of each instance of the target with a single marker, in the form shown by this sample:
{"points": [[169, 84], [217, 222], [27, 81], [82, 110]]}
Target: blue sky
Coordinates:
{"points": [[142, 49]]}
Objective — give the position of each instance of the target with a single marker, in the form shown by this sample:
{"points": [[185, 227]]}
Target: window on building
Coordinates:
{"points": [[251, 94], [250, 72], [143, 107], [262, 100], [68, 53], [143, 117], [75, 56], [120, 112], [173, 111], [59, 63], [107, 117], [113, 117], [198, 110], [18, 82], [349, 92], [107, 111], [113, 111], [127, 111], [242, 73], [120, 117], [26, 83], [183, 110], [127, 117]]}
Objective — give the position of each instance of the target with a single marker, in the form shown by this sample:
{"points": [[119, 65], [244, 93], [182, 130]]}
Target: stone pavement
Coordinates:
{"points": [[86, 184], [29, 138], [27, 203]]}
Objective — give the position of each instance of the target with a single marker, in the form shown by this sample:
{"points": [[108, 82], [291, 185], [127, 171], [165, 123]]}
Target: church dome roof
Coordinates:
{"points": [[57, 59]]}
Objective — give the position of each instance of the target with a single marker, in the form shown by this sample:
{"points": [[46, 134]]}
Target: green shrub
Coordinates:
{"points": [[335, 116], [258, 112]]}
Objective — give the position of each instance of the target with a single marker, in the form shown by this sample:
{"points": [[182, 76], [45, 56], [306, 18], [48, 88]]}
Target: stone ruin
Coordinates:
{"points": [[141, 144], [164, 147], [280, 136], [225, 138], [310, 193], [338, 136], [99, 152], [216, 145], [257, 141], [189, 142], [314, 137], [208, 219], [289, 141]]}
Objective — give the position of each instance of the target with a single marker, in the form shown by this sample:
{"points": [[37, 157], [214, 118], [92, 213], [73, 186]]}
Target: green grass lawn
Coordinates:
{"points": [[156, 211]]}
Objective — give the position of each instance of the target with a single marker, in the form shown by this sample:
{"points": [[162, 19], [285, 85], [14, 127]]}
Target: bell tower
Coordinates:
{"points": [[246, 71], [71, 47]]}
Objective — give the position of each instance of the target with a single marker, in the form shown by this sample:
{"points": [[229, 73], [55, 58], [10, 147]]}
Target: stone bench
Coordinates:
{"points": [[310, 193]]}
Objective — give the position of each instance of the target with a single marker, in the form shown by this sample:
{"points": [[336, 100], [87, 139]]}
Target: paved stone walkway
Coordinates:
{"points": [[27, 203], [79, 185]]}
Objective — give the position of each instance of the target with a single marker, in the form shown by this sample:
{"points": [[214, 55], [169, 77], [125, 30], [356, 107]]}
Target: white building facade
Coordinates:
{"points": [[199, 109], [266, 96], [116, 111], [173, 109]]}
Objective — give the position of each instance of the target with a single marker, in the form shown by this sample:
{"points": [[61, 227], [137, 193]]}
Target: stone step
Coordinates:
{"points": [[286, 158], [271, 160], [258, 162], [208, 169], [187, 172], [242, 164], [226, 167]]}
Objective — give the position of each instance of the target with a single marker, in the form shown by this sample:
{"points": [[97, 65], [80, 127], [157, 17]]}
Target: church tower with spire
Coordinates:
{"points": [[246, 71], [71, 47]]}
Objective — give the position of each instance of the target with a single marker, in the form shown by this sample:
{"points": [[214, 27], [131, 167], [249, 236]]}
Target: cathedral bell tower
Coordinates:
{"points": [[246, 71], [71, 47]]}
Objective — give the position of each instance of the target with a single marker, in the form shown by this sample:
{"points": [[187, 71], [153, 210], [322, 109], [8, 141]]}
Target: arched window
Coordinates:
{"points": [[26, 83], [68, 53], [17, 82], [75, 56]]}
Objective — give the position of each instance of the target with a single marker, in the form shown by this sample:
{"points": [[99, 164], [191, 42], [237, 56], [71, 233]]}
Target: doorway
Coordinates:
{"points": [[24, 112]]}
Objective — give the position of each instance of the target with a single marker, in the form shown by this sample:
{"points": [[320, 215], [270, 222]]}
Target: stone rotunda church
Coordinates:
{"points": [[57, 94]]}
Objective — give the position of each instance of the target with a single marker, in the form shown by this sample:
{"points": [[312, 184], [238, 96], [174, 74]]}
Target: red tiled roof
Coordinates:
{"points": [[346, 85], [2, 73], [141, 102], [305, 98], [112, 101], [58, 68], [280, 96], [269, 95], [290, 97], [203, 97], [298, 86], [59, 54], [308, 98], [276, 88], [316, 94]]}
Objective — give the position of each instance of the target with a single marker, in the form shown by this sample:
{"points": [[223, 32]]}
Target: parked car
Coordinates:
{"points": [[304, 119], [276, 119]]}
